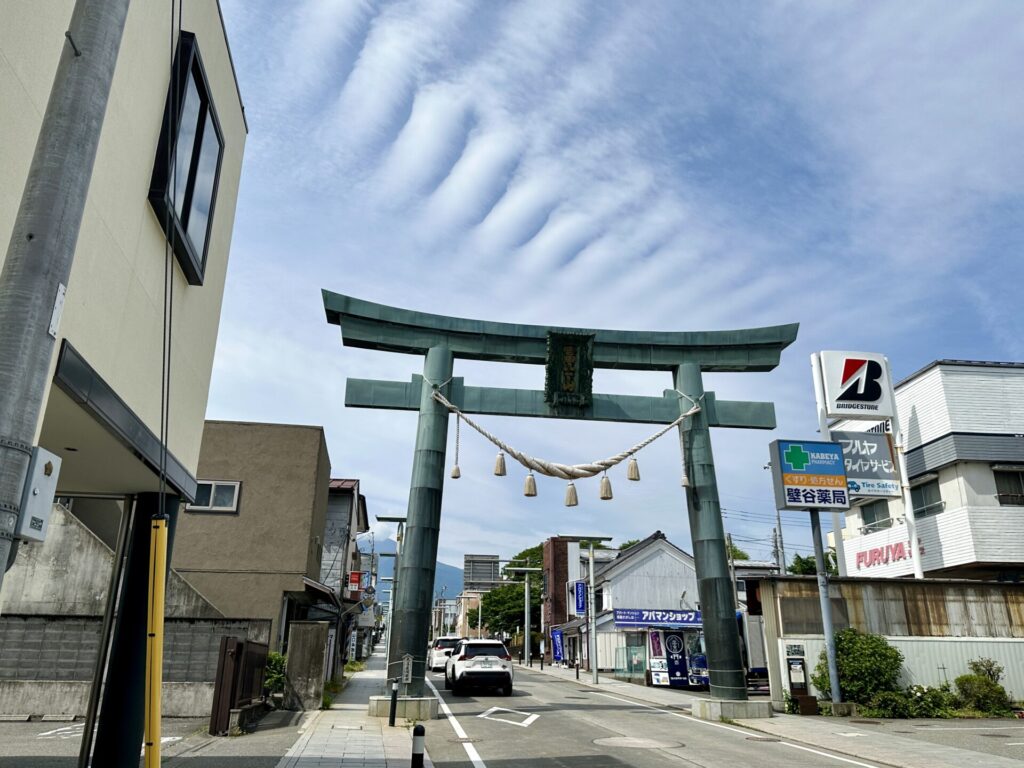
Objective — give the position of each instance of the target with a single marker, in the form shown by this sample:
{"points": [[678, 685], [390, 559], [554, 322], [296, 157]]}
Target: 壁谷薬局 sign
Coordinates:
{"points": [[808, 474], [643, 617]]}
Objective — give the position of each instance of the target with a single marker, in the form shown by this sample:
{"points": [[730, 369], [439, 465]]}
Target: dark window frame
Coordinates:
{"points": [[188, 66], [1004, 498], [876, 524], [209, 509], [931, 507]]}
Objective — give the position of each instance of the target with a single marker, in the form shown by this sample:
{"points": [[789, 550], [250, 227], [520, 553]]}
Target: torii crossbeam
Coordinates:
{"points": [[570, 354]]}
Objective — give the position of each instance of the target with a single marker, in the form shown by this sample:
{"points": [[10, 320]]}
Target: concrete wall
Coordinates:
{"points": [[69, 575], [113, 310], [66, 647], [244, 562], [307, 644], [53, 697]]}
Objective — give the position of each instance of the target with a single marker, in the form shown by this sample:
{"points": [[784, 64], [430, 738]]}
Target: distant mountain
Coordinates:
{"points": [[446, 576]]}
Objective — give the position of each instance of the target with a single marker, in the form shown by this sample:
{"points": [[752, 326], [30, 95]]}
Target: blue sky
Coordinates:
{"points": [[854, 167]]}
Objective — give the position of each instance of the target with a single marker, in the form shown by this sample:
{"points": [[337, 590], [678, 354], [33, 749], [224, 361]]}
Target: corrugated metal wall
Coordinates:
{"points": [[938, 625]]}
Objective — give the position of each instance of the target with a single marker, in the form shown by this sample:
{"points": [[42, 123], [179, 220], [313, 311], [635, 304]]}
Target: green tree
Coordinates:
{"points": [[737, 553], [628, 543], [805, 566], [867, 666], [531, 557], [503, 607]]}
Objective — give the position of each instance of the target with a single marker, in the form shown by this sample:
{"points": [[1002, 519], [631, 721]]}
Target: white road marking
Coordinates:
{"points": [[530, 717], [851, 734], [736, 730], [471, 753], [67, 732]]}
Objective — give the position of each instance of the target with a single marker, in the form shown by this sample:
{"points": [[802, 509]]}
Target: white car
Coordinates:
{"points": [[479, 663], [439, 652]]}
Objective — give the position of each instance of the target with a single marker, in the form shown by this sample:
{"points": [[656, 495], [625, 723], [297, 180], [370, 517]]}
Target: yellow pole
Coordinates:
{"points": [[155, 639]]}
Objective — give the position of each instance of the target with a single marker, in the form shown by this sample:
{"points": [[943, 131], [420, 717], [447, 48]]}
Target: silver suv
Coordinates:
{"points": [[479, 663], [440, 650]]}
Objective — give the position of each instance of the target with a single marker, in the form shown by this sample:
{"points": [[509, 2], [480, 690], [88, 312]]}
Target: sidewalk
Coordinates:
{"points": [[345, 735], [841, 735]]}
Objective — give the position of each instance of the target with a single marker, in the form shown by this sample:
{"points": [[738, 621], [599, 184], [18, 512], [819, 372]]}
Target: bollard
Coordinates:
{"points": [[418, 737], [542, 662], [394, 704], [577, 670]]}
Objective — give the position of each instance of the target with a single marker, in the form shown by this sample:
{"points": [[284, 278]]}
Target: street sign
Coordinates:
{"points": [[355, 579], [809, 475], [407, 668], [643, 617], [870, 463], [857, 385], [557, 647], [581, 598]]}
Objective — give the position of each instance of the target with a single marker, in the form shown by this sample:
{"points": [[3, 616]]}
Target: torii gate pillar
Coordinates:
{"points": [[422, 525], [718, 607]]}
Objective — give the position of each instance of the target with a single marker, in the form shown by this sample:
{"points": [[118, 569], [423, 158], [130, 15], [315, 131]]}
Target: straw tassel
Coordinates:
{"points": [[456, 472], [632, 469], [571, 500], [606, 488], [530, 486], [499, 464]]}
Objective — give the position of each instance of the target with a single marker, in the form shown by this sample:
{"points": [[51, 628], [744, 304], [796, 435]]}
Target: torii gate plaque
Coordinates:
{"points": [[686, 355]]}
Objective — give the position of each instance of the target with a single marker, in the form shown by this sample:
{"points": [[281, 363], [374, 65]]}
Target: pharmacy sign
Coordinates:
{"points": [[809, 475]]}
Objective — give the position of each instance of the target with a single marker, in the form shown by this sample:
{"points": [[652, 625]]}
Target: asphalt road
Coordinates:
{"points": [[550, 723], [185, 743]]}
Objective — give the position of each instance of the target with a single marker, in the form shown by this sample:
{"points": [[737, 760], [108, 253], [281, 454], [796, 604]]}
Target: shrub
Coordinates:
{"points": [[989, 668], [894, 704], [274, 676], [867, 665], [931, 702], [980, 693]]}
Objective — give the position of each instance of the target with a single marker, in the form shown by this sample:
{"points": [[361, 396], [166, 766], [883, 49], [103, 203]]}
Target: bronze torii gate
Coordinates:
{"points": [[686, 355]]}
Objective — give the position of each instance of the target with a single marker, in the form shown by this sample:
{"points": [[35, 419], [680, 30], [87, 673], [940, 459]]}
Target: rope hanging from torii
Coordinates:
{"points": [[568, 472]]}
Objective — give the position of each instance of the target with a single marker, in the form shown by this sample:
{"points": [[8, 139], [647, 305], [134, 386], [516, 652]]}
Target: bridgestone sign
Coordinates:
{"points": [[857, 385]]}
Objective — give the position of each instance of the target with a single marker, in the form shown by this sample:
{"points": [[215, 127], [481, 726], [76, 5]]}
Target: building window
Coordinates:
{"points": [[926, 499], [218, 497], [1010, 488], [183, 189], [875, 516]]}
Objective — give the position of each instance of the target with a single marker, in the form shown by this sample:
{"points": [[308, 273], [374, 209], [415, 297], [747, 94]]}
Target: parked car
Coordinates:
{"points": [[484, 663], [440, 650]]}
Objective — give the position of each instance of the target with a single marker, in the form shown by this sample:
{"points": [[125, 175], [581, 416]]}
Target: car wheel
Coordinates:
{"points": [[447, 683], [458, 689], [506, 689]]}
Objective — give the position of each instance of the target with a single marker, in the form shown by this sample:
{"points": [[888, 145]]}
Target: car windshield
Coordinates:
{"points": [[445, 643], [484, 649]]}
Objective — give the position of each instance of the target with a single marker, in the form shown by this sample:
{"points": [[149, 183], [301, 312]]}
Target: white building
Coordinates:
{"points": [[964, 426], [102, 408]]}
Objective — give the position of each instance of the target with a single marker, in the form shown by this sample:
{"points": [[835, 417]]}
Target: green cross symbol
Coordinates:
{"points": [[797, 457]]}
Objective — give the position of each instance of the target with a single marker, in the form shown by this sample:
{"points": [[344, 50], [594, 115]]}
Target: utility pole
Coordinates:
{"points": [[591, 609], [527, 646], [782, 545], [37, 267], [732, 569]]}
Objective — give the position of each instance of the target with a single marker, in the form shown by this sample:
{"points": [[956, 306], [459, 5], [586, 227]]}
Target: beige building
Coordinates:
{"points": [[102, 409], [252, 542]]}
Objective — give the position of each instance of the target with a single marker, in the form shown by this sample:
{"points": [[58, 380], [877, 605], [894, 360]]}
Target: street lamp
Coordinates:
{"points": [[591, 612], [526, 610]]}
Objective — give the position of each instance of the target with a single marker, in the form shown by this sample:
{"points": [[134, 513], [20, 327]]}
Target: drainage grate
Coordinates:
{"points": [[868, 722], [762, 738], [995, 735]]}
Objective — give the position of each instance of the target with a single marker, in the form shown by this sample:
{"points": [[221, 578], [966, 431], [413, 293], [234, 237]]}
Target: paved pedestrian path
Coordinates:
{"points": [[345, 735]]}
